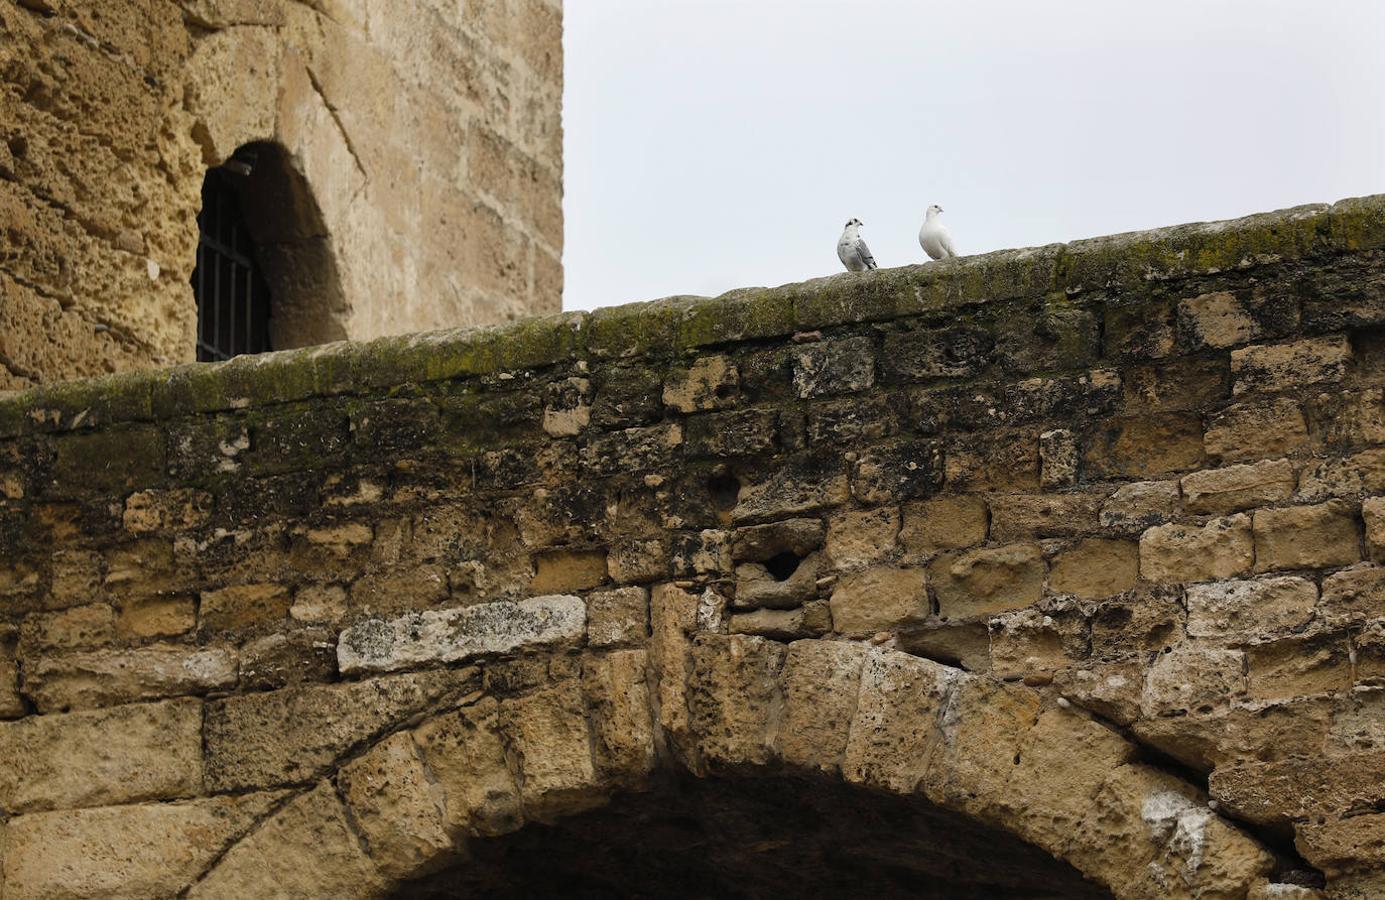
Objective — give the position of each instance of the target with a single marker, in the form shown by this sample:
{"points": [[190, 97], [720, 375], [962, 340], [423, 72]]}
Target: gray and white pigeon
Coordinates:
{"points": [[852, 251], [934, 237]]}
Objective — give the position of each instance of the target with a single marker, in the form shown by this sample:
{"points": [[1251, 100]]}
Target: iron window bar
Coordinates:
{"points": [[233, 303]]}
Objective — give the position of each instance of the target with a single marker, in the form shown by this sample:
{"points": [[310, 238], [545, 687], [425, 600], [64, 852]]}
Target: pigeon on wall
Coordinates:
{"points": [[852, 251], [934, 237]]}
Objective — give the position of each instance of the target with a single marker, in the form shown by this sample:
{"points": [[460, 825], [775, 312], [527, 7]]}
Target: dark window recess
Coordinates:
{"points": [[232, 297]]}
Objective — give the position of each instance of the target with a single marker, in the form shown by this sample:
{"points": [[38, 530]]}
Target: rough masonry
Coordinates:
{"points": [[1077, 548], [423, 140]]}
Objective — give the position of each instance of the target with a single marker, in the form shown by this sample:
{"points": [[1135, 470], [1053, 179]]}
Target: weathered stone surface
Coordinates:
{"points": [[77, 628], [981, 582], [1095, 568], [547, 733], [1360, 473], [792, 491], [464, 752], [294, 735], [782, 582], [1193, 678], [148, 751], [396, 807], [709, 383], [1112, 690], [1249, 431], [1338, 844], [306, 849], [1300, 787], [1267, 730], [132, 852], [821, 683], [1137, 506], [946, 523], [1235, 488], [1029, 643], [1278, 367], [59, 683], [834, 367], [1299, 665], [560, 571], [1354, 594], [440, 636], [1059, 457], [1023, 516], [878, 599], [1222, 548], [810, 620], [244, 606], [618, 617], [859, 537], [898, 711], [1373, 512], [983, 726], [1247, 608], [617, 690], [1146, 446], [1217, 319], [735, 699], [1302, 537]]}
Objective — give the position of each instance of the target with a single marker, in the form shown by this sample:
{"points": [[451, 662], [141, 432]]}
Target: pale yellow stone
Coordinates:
{"points": [[1220, 549], [1095, 568], [1235, 488], [878, 598], [991, 580], [397, 807]]}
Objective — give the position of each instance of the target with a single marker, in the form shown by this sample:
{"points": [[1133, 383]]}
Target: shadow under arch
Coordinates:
{"points": [[292, 246]]}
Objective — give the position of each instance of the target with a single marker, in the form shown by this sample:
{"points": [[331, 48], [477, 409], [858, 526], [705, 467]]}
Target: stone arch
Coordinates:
{"points": [[554, 737]]}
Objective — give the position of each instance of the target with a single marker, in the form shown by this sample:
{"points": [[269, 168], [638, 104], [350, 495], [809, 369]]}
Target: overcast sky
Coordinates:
{"points": [[714, 144]]}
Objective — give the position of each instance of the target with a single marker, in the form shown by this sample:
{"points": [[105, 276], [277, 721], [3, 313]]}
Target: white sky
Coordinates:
{"points": [[714, 144]]}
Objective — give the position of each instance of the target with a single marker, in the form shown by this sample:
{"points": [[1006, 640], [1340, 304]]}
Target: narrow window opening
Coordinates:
{"points": [[233, 299]]}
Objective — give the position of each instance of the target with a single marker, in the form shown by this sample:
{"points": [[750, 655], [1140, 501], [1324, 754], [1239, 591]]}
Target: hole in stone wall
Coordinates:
{"points": [[783, 565], [266, 274], [725, 490]]}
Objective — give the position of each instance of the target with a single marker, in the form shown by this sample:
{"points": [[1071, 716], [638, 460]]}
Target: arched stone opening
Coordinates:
{"points": [[285, 253], [758, 837]]}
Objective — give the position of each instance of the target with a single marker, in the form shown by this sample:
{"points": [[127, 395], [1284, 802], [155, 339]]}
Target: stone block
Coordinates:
{"points": [[244, 606], [897, 721], [987, 581], [452, 635], [1059, 457], [1239, 487], [64, 682], [745, 432], [397, 807], [1217, 320], [618, 617], [834, 367], [1193, 678], [1145, 446], [1244, 609], [1095, 568], [1291, 366], [147, 751], [546, 732], [1343, 844], [759, 543], [993, 461], [983, 726], [1016, 517], [1299, 665], [821, 683], [945, 523], [711, 382], [78, 628], [1354, 594], [1373, 512], [1360, 473], [900, 470], [1304, 787], [297, 734], [1028, 642], [1264, 731], [1135, 507], [559, 571], [795, 488], [1251, 431], [964, 645], [125, 852], [859, 537], [735, 699], [617, 690], [878, 599], [285, 658], [923, 355], [156, 617], [812, 619], [1223, 548], [306, 849], [1307, 537], [464, 752]]}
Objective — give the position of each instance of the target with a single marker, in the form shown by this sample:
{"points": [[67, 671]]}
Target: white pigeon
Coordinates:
{"points": [[934, 237], [852, 251]]}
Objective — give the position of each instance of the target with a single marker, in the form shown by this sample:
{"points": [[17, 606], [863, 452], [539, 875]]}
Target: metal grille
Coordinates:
{"points": [[232, 297]]}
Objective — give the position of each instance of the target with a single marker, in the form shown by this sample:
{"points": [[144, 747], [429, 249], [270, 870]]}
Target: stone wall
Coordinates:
{"points": [[428, 135], [1081, 543]]}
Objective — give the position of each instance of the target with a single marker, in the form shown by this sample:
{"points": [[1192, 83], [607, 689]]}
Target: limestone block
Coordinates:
{"points": [[1299, 665], [547, 733], [244, 606], [1193, 678], [128, 852], [1300, 787], [294, 735], [792, 490], [991, 580], [1264, 731], [1027, 516], [78, 628], [704, 553], [1239, 487], [1095, 568], [464, 752], [945, 523], [760, 586], [1028, 642], [709, 383], [879, 599], [1305, 537], [75, 579], [1360, 473], [288, 657], [62, 682], [746, 432], [1354, 594], [899, 470], [451, 635], [1135, 507], [812, 619], [156, 617], [617, 691], [568, 570], [759, 543], [1220, 549], [735, 699], [1059, 457], [306, 849], [958, 352], [1343, 844], [637, 561], [821, 682], [1373, 511], [1249, 608], [896, 724], [1291, 366], [397, 808], [618, 617], [672, 619], [834, 367], [1063, 760], [961, 644], [1217, 320], [232, 82], [1146, 446], [859, 537], [1251, 431], [178, 508], [568, 411], [982, 726], [1111, 690], [147, 751]]}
